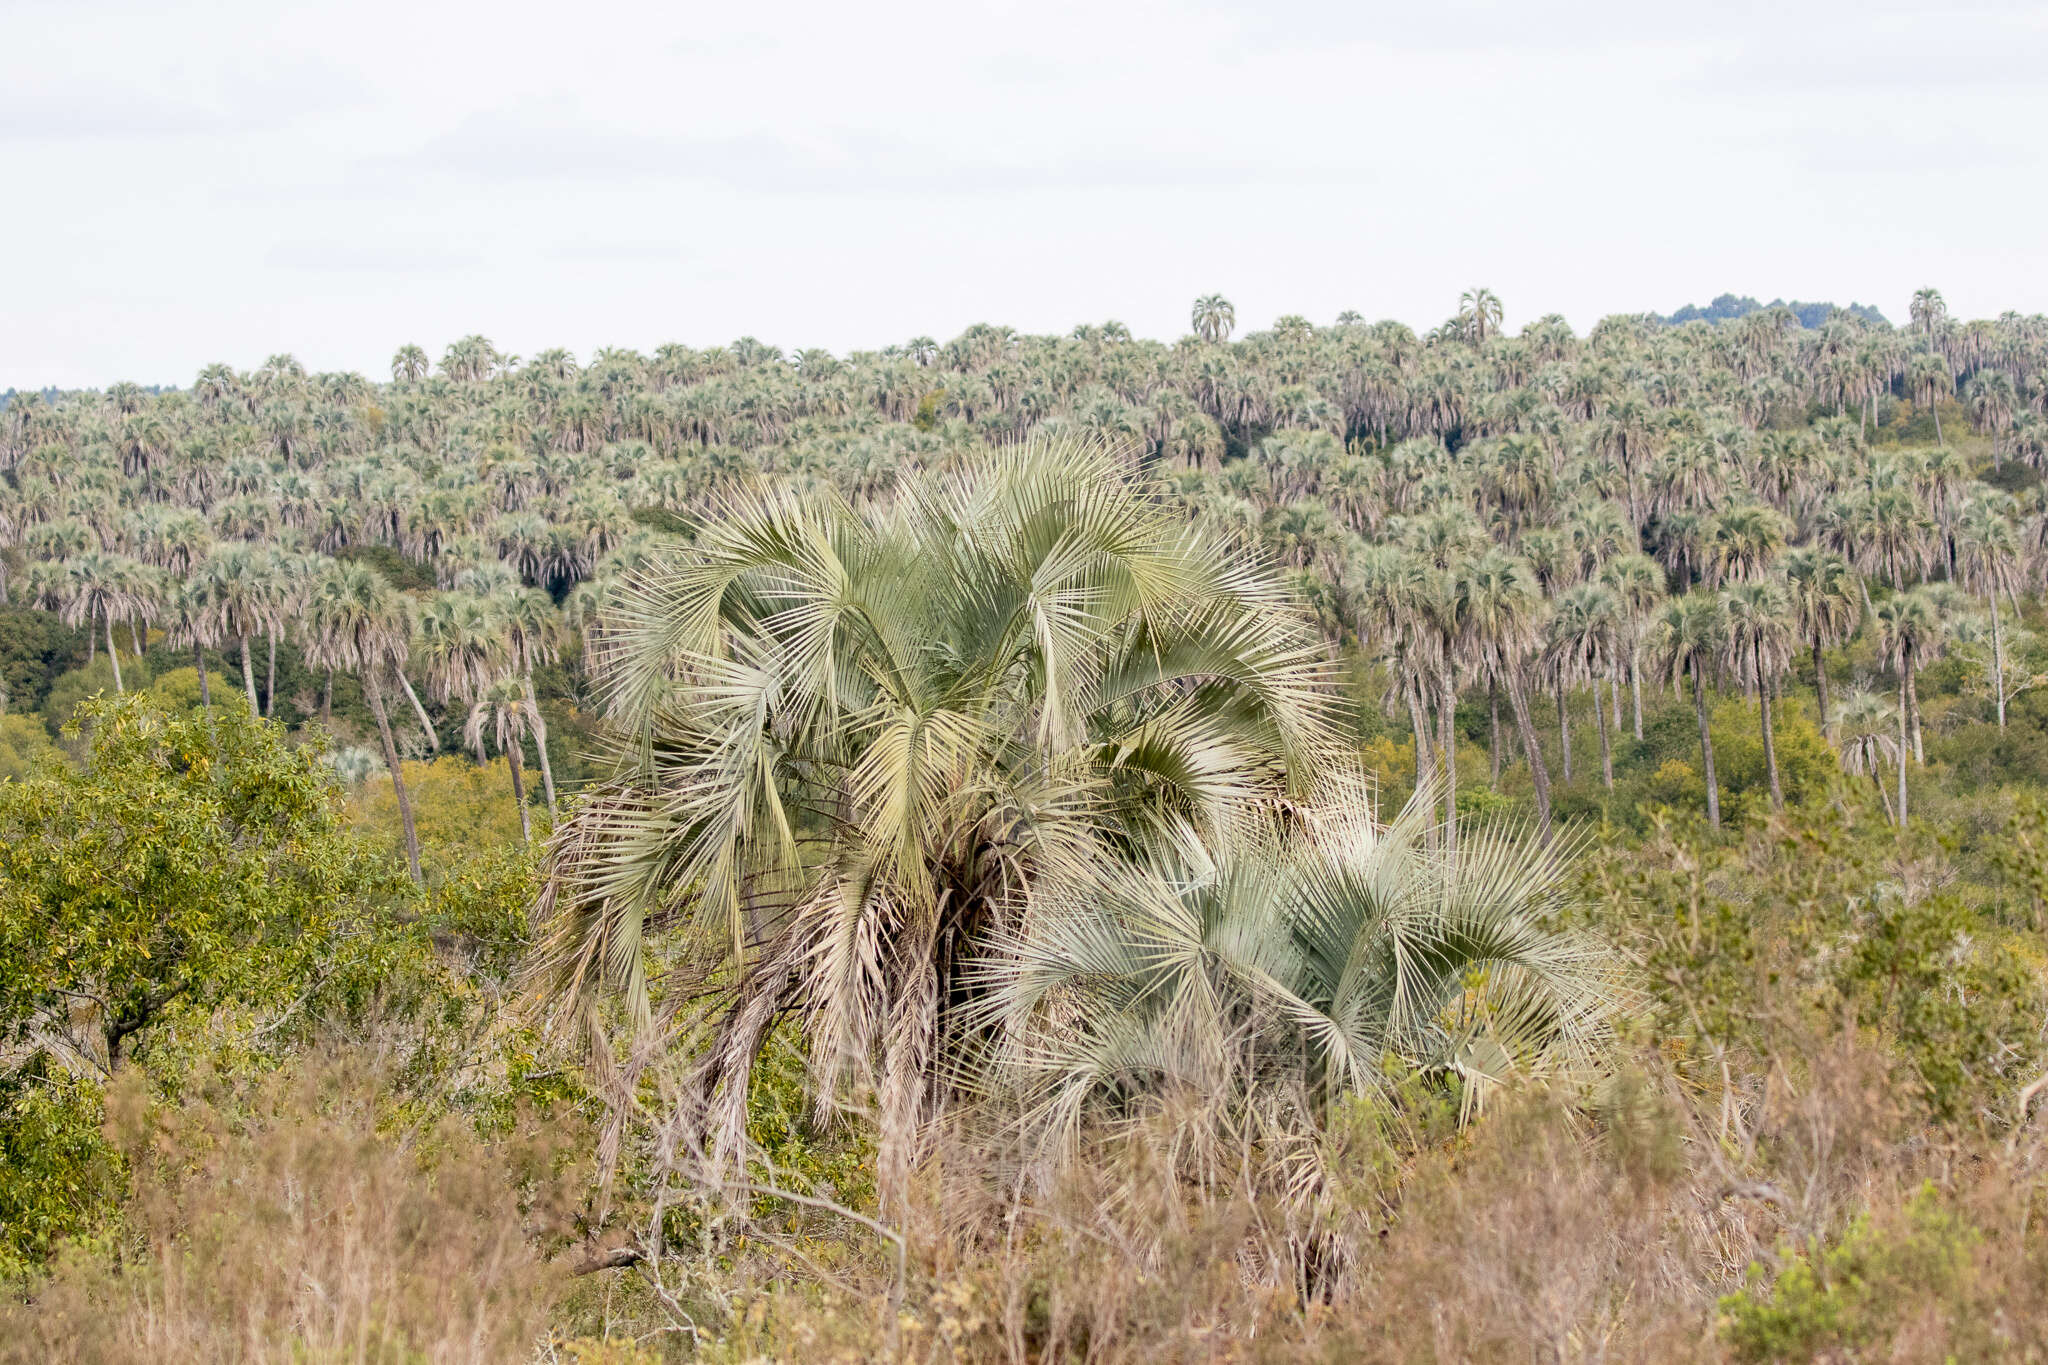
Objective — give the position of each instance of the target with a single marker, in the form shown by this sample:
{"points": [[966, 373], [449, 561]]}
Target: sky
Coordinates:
{"points": [[191, 183]]}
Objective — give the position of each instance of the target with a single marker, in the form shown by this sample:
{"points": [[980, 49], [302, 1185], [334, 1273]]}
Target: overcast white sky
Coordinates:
{"points": [[188, 183]]}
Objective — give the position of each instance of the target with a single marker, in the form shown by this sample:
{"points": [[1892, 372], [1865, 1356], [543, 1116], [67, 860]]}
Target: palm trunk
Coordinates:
{"points": [[1606, 748], [1997, 659], [1934, 406], [519, 790], [540, 745], [1913, 701], [135, 634], [1699, 701], [1564, 731], [1820, 684], [114, 655], [433, 740], [1614, 696], [327, 702], [1447, 722], [1493, 728], [373, 692], [1763, 693], [1539, 771], [1902, 750], [205, 687], [270, 677], [1425, 755], [248, 675], [1635, 689]]}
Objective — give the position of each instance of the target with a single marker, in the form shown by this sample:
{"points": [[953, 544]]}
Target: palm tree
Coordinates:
{"points": [[1500, 620], [1214, 318], [357, 622], [99, 587], [1585, 643], [1826, 599], [239, 581], [409, 365], [1638, 585], [193, 620], [459, 642], [1928, 378], [1908, 635], [1928, 312], [1865, 722], [855, 743], [1760, 629], [1988, 562], [1689, 638], [502, 707], [1479, 313], [533, 637]]}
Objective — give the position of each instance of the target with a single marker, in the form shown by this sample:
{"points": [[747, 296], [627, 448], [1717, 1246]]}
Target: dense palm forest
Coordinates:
{"points": [[1483, 844]]}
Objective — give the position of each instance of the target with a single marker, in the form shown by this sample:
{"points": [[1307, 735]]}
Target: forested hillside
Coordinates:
{"points": [[1328, 842]]}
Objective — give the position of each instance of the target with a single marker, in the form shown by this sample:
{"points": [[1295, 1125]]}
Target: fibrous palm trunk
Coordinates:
{"points": [[113, 654], [519, 789], [1564, 731], [540, 745], [248, 675], [1447, 721], [1539, 771], [1699, 701], [373, 692], [1820, 683], [433, 739], [1997, 659], [1913, 702], [1763, 693], [1606, 747]]}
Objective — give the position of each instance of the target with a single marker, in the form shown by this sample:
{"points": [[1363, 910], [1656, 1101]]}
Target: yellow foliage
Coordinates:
{"points": [[458, 808]]}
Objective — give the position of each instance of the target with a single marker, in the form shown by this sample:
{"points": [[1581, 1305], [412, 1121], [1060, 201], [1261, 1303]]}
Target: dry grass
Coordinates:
{"points": [[273, 1222]]}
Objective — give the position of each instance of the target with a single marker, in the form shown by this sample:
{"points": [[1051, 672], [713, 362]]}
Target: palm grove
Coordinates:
{"points": [[1059, 734]]}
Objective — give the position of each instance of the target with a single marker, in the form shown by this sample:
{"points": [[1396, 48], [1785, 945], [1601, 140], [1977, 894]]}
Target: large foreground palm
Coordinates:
{"points": [[855, 746]]}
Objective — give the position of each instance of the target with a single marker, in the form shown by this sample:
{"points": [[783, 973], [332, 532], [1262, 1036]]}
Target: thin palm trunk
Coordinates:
{"points": [[205, 686], [1902, 750], [1820, 683], [114, 655], [1447, 721], [1635, 689], [1539, 771], [248, 675], [1606, 747], [519, 790], [1997, 659], [1763, 693], [270, 677], [433, 740], [540, 746], [327, 702], [1493, 728], [1564, 731], [1934, 406], [373, 692], [1425, 754], [1913, 701], [1699, 701]]}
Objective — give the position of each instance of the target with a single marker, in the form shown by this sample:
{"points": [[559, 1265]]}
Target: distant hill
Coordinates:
{"points": [[1728, 306]]}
